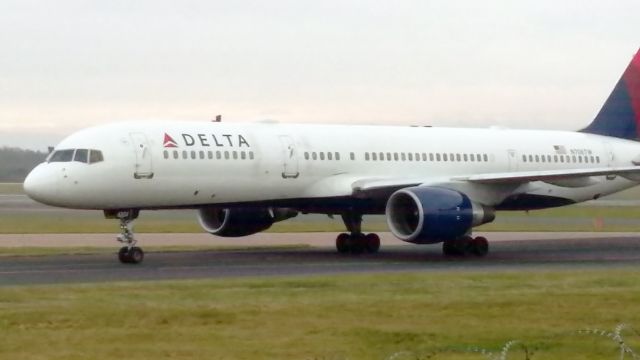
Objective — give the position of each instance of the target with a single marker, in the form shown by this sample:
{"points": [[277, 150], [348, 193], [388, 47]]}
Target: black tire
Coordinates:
{"points": [[357, 243], [123, 255], [342, 243], [372, 243], [480, 246], [457, 247], [136, 255]]}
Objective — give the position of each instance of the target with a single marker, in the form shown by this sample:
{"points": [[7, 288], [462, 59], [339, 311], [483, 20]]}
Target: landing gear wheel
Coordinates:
{"points": [[135, 255], [357, 243], [123, 255], [342, 243], [372, 243], [479, 246], [457, 247]]}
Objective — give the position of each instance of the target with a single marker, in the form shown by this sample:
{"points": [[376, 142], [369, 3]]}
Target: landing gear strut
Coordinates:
{"points": [[130, 253], [356, 242], [465, 245]]}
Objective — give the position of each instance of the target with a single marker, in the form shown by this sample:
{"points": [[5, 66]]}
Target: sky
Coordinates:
{"points": [[67, 65]]}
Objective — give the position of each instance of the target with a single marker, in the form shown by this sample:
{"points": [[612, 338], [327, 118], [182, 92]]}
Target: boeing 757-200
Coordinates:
{"points": [[434, 185]]}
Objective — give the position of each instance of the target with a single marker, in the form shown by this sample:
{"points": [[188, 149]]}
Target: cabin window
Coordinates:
{"points": [[374, 156], [555, 158], [175, 154], [243, 155], [321, 155], [166, 154], [403, 156], [366, 156], [410, 156], [524, 158], [306, 155], [598, 159], [185, 154], [314, 155], [329, 156], [250, 155], [235, 155], [352, 156], [395, 156], [210, 154], [201, 155], [218, 155], [431, 157], [438, 157], [226, 155], [445, 157]]}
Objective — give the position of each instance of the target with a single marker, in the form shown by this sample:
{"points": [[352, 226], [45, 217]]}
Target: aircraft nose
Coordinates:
{"points": [[41, 185]]}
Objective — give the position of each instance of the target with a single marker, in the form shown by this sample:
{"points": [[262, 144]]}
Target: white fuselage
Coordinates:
{"points": [[189, 164]]}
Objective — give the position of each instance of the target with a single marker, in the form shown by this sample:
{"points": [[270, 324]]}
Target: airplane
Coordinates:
{"points": [[434, 185]]}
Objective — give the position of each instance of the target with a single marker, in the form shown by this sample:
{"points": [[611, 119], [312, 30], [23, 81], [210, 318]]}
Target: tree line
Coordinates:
{"points": [[16, 163]]}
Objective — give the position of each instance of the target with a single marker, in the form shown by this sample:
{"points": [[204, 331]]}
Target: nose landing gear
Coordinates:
{"points": [[130, 253]]}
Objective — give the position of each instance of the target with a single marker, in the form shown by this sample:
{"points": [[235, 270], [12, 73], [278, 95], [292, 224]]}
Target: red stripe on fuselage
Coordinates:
{"points": [[631, 79]]}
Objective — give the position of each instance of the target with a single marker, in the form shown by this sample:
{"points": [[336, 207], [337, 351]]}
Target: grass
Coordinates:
{"points": [[415, 316], [11, 188]]}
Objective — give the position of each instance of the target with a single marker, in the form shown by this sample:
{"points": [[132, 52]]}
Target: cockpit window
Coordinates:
{"points": [[96, 156], [86, 156], [82, 155], [62, 156]]}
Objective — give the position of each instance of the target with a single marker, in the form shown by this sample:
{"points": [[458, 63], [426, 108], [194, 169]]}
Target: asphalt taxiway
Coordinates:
{"points": [[510, 252]]}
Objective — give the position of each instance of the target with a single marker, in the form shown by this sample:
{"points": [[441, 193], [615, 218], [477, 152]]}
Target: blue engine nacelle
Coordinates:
{"points": [[237, 222], [426, 215]]}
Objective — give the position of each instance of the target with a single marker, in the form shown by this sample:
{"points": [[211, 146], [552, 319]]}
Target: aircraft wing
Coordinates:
{"points": [[382, 187], [631, 172], [506, 181]]}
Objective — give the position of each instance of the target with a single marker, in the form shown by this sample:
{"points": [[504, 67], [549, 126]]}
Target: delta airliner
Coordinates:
{"points": [[433, 184]]}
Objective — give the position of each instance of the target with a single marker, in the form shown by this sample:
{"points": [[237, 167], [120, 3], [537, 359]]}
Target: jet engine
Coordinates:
{"points": [[237, 222], [425, 215]]}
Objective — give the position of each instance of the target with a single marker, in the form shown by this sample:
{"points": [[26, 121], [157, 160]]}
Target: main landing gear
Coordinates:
{"points": [[356, 242], [466, 245], [130, 253]]}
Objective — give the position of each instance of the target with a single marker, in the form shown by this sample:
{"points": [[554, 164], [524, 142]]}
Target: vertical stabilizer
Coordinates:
{"points": [[620, 114]]}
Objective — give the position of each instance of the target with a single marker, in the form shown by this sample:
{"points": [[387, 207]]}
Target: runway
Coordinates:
{"points": [[526, 251]]}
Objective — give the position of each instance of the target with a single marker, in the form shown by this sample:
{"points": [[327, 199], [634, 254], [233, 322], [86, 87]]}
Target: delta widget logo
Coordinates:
{"points": [[169, 142]]}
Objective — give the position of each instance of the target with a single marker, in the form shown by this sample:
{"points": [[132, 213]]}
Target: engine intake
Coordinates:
{"points": [[237, 222], [425, 215]]}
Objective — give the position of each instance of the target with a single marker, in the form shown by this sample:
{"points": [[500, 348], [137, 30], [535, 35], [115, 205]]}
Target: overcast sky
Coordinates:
{"points": [[65, 65]]}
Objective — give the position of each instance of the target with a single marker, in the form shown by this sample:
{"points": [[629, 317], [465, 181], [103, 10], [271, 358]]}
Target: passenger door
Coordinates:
{"points": [[289, 157], [143, 165]]}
